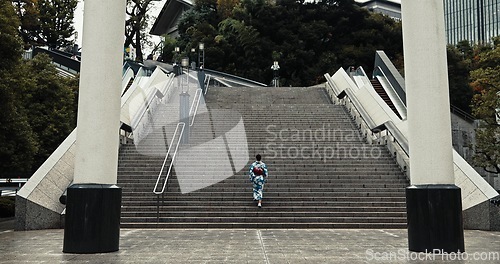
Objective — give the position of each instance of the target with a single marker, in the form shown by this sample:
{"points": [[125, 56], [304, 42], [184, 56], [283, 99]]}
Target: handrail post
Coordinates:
{"points": [[158, 210], [171, 162]]}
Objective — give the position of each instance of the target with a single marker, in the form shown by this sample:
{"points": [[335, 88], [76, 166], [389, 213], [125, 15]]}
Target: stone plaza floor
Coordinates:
{"points": [[244, 246]]}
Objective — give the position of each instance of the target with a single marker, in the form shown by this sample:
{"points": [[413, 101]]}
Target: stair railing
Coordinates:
{"points": [[367, 124], [155, 190], [207, 78], [162, 191], [194, 106], [196, 101], [461, 113]]}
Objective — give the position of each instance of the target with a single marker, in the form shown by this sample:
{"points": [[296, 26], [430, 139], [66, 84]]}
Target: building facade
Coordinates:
{"points": [[474, 20], [385, 7]]}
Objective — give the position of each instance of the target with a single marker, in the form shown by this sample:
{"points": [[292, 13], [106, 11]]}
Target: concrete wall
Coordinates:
{"points": [[37, 203], [484, 216]]}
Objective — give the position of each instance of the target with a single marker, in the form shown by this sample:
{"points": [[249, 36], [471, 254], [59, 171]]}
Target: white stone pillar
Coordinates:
{"points": [[426, 76], [92, 222], [99, 95], [434, 209]]}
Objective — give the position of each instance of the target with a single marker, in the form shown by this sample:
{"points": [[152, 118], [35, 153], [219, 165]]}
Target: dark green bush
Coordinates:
{"points": [[7, 206]]}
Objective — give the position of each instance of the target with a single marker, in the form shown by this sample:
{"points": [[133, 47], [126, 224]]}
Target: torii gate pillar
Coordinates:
{"points": [[93, 200], [434, 207]]}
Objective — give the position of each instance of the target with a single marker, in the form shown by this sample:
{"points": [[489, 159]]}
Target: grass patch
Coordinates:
{"points": [[7, 206]]}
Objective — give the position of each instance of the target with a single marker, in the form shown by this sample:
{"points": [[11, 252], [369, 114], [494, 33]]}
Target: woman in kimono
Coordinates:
{"points": [[258, 176]]}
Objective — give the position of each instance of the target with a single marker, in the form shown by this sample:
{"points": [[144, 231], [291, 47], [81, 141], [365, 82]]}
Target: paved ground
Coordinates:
{"points": [[243, 246]]}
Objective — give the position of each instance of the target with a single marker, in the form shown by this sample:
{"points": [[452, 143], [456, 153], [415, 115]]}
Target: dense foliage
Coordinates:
{"points": [[486, 106], [307, 39], [46, 22], [7, 206], [458, 77], [37, 105]]}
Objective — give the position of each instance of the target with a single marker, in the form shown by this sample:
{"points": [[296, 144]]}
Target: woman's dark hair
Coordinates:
{"points": [[258, 157]]}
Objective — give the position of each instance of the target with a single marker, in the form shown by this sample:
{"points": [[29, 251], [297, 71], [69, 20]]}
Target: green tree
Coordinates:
{"points": [[56, 22], [29, 15], [225, 7], [50, 105], [310, 38], [38, 106], [458, 76], [486, 107], [17, 140]]}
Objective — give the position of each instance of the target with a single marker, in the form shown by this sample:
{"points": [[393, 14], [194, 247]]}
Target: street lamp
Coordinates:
{"points": [[184, 102], [276, 79], [192, 58], [185, 64], [177, 50], [201, 55]]}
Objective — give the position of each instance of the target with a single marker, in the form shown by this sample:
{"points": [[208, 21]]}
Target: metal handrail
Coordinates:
{"points": [[234, 77], [461, 113], [166, 157], [197, 97], [208, 82], [196, 94]]}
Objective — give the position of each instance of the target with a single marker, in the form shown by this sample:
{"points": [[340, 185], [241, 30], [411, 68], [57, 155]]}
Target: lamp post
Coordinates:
{"points": [[201, 55], [184, 103], [276, 79], [176, 66], [192, 59], [185, 65]]}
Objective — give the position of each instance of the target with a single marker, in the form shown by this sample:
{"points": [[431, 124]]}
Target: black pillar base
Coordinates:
{"points": [[92, 218], [434, 214]]}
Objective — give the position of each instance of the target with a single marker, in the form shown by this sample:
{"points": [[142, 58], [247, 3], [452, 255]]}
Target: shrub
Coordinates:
{"points": [[7, 206]]}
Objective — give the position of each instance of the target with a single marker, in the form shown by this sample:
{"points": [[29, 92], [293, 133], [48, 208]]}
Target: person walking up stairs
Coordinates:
{"points": [[258, 176]]}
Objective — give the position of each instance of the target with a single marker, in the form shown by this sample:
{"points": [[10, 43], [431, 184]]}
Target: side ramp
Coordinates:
{"points": [[38, 204], [380, 125]]}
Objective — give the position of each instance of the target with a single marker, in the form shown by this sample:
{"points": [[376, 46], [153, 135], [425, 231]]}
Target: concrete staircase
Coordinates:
{"points": [[322, 174]]}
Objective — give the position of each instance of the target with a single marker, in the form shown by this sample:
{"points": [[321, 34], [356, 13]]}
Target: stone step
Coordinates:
{"points": [[228, 186], [267, 220], [261, 213], [344, 190], [261, 225], [269, 194], [250, 207], [355, 202]]}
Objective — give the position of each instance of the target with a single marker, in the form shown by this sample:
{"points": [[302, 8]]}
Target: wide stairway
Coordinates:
{"points": [[321, 173]]}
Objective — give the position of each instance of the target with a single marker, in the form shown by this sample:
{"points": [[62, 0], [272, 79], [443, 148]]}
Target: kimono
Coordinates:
{"points": [[258, 180]]}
